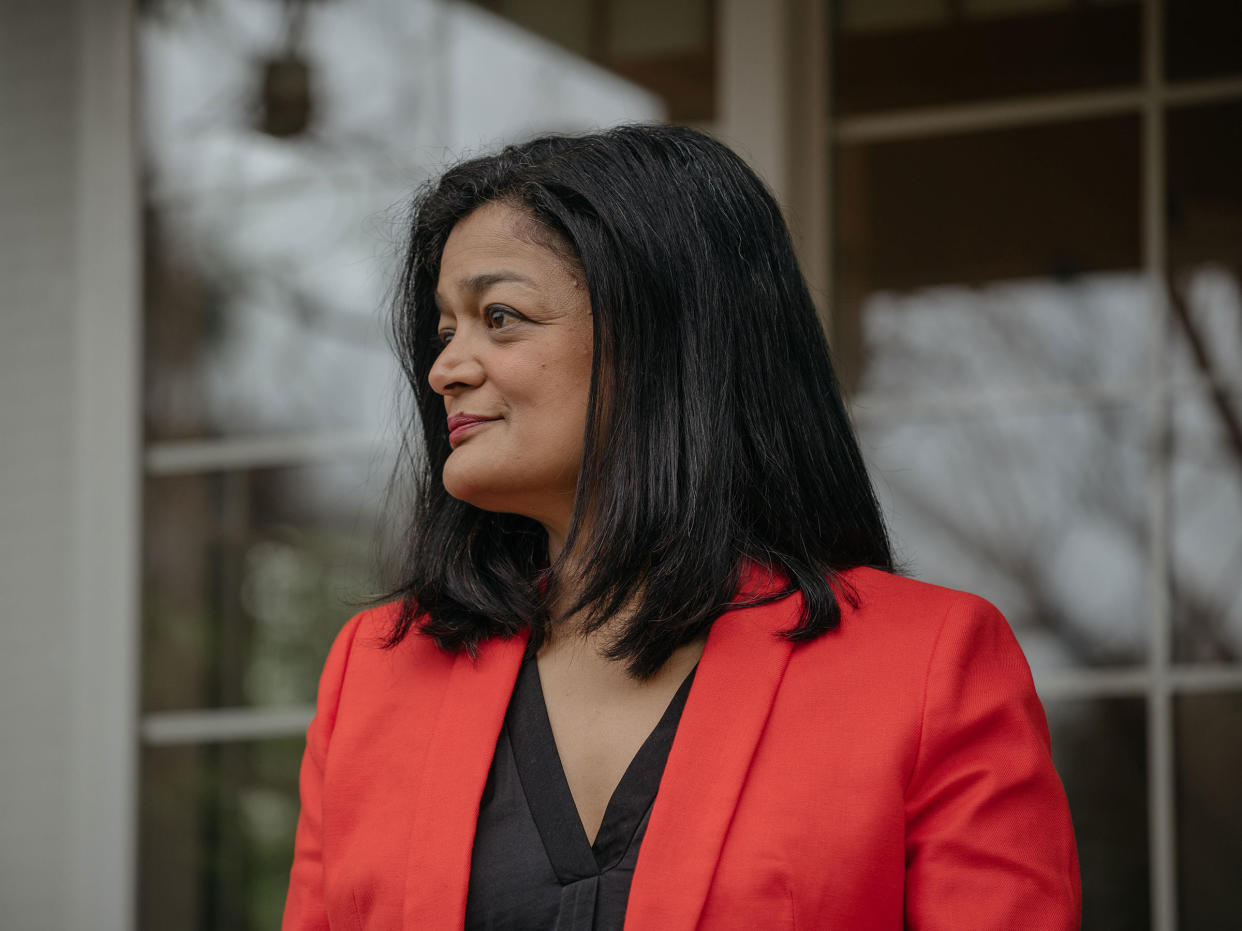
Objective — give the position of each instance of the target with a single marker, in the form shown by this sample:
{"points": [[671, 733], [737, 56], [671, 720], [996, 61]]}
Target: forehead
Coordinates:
{"points": [[496, 235]]}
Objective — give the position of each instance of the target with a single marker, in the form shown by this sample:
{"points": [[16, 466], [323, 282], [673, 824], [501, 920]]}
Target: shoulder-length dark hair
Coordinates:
{"points": [[716, 435]]}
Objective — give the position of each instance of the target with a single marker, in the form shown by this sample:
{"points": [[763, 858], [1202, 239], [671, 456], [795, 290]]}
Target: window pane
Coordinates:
{"points": [[281, 144], [1207, 527], [216, 836], [275, 142], [1041, 513], [1203, 38], [1100, 750], [665, 46], [1205, 240], [1209, 809], [1008, 335], [248, 577], [1206, 341], [1205, 362], [926, 52], [1205, 186], [264, 313], [997, 259]]}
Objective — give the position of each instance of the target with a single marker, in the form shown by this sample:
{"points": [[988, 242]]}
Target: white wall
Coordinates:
{"points": [[67, 466]]}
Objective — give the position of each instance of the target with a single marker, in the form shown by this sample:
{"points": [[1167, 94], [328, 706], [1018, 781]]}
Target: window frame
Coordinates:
{"points": [[1160, 679]]}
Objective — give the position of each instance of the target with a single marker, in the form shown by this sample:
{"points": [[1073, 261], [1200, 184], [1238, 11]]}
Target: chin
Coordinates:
{"points": [[481, 488]]}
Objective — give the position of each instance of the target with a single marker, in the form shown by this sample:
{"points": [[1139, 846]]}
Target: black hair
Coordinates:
{"points": [[716, 435]]}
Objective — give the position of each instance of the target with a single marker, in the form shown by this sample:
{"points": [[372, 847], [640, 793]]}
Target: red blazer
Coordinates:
{"points": [[893, 773]]}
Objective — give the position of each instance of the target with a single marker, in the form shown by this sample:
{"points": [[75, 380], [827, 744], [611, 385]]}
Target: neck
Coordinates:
{"points": [[556, 542]]}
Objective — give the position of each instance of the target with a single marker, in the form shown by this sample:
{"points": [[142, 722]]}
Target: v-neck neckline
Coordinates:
{"points": [[547, 791]]}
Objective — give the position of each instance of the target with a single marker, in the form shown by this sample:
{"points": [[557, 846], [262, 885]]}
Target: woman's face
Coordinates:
{"points": [[515, 370]]}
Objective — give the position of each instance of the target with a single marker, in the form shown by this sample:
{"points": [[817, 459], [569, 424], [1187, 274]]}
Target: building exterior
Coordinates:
{"points": [[1022, 219]]}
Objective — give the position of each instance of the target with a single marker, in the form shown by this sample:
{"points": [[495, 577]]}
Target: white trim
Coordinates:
{"points": [[180, 457], [809, 153], [1201, 92], [1135, 681], [352, 178], [215, 725], [1000, 114], [107, 405], [1214, 678], [919, 122], [879, 409], [752, 86], [1092, 682], [1160, 777]]}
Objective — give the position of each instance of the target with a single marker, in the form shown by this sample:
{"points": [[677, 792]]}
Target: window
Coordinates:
{"points": [[1036, 303], [282, 143]]}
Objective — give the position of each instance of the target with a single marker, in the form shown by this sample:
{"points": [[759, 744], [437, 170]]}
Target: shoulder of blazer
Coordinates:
{"points": [[375, 666], [898, 596], [897, 638], [904, 616]]}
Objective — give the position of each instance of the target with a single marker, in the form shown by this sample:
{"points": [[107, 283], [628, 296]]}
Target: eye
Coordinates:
{"points": [[444, 337], [498, 316]]}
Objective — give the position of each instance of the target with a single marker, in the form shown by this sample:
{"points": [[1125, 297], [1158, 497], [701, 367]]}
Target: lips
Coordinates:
{"points": [[460, 425]]}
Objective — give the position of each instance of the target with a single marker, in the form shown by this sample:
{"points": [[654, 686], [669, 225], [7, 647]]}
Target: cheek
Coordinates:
{"points": [[548, 389], [547, 426]]}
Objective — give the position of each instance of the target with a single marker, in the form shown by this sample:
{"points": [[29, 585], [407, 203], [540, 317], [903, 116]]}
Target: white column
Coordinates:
{"points": [[752, 80], [107, 462], [772, 82], [68, 466]]}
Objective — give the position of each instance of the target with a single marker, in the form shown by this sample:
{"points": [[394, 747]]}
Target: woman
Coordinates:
{"points": [[649, 664]]}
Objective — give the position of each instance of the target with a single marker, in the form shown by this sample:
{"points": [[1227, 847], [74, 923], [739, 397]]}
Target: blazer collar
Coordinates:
{"points": [[725, 715], [446, 803]]}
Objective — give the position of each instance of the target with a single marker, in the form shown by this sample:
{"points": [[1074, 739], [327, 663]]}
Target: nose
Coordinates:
{"points": [[456, 368]]}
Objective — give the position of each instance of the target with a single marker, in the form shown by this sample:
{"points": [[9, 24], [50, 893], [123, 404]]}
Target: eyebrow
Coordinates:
{"points": [[477, 284]]}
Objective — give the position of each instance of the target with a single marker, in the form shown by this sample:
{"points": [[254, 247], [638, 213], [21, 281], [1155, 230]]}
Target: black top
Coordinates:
{"points": [[532, 867]]}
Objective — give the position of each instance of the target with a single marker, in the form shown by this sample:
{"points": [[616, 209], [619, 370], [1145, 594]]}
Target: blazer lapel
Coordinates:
{"points": [[446, 805], [725, 714]]}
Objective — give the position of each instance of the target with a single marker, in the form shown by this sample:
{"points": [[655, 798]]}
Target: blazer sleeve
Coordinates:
{"points": [[989, 843], [305, 907]]}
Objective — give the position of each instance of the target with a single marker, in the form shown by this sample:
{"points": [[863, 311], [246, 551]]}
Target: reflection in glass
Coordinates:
{"points": [[397, 88], [1205, 345], [1206, 504], [1007, 335], [928, 52], [1033, 233], [1205, 363], [1100, 750], [263, 314], [1208, 736], [248, 577], [282, 142], [1041, 513], [216, 834]]}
